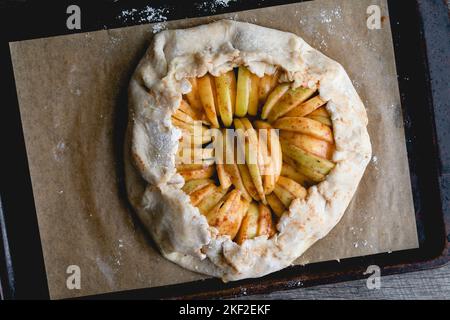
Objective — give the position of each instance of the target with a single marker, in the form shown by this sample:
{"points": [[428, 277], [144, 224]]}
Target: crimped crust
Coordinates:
{"points": [[154, 187]]}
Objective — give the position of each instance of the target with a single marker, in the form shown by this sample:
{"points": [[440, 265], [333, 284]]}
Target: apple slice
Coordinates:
{"points": [[313, 176], [268, 165], [266, 84], [253, 99], [265, 223], [206, 90], [305, 159], [273, 98], [199, 118], [226, 216], [224, 177], [194, 156], [244, 86], [209, 202], [257, 222], [190, 140], [248, 181], [310, 144], [273, 143], [249, 225], [186, 108], [243, 209], [238, 181], [265, 163], [268, 183], [219, 147], [226, 96], [190, 166], [287, 190], [289, 101], [204, 173], [231, 167], [276, 205], [180, 115], [193, 141], [324, 120], [194, 185], [306, 107], [305, 126], [196, 152], [251, 154], [193, 96], [199, 134], [196, 114], [244, 171], [322, 112], [264, 88], [290, 172], [198, 195]]}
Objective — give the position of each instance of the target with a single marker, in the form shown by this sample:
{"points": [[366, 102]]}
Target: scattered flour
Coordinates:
{"points": [[328, 16], [106, 270], [333, 23], [211, 6], [115, 40], [76, 91], [117, 255], [147, 14], [59, 150], [234, 17], [294, 284], [73, 79], [158, 27]]}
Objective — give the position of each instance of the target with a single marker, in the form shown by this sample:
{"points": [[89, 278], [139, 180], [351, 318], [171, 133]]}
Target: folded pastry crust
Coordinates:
{"points": [[154, 186]]}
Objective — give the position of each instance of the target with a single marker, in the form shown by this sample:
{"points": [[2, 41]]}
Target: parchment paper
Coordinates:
{"points": [[73, 100]]}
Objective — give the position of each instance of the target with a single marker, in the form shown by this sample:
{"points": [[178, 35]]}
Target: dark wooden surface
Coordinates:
{"points": [[430, 284]]}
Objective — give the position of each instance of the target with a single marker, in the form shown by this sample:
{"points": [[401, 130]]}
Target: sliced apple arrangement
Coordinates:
{"points": [[243, 198]]}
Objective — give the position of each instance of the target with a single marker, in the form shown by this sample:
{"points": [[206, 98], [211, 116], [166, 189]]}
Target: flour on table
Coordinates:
{"points": [[59, 150], [118, 254], [158, 27], [75, 91], [106, 270], [73, 80], [211, 6], [114, 40], [328, 16], [147, 14]]}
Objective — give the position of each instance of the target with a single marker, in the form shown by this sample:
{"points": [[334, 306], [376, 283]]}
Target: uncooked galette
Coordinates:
{"points": [[249, 145]]}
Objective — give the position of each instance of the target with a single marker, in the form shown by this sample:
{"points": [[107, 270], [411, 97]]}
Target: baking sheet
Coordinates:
{"points": [[72, 94]]}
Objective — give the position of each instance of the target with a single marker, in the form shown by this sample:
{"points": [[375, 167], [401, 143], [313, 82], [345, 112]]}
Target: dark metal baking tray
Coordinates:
{"points": [[421, 40]]}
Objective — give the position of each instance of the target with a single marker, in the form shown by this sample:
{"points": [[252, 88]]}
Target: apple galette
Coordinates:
{"points": [[251, 145]]}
